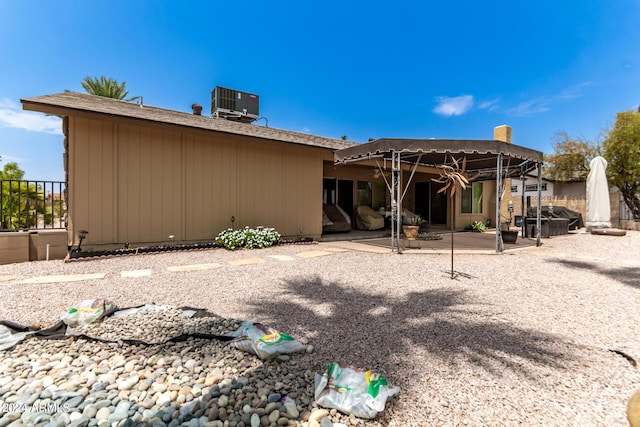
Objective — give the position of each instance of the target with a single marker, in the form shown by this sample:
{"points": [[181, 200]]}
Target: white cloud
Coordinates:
{"points": [[453, 106], [543, 103], [489, 105], [534, 106], [12, 116], [306, 130]]}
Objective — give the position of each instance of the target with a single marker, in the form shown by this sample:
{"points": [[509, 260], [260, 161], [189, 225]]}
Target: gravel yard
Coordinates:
{"points": [[530, 337]]}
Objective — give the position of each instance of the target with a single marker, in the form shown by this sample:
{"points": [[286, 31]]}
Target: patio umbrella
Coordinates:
{"points": [[598, 207]]}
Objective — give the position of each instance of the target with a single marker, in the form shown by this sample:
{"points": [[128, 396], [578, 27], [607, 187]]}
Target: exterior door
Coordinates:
{"points": [[438, 203], [422, 199], [430, 204], [345, 196]]}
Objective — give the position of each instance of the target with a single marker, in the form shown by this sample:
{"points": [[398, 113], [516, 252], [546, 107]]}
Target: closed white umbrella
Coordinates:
{"points": [[598, 207]]}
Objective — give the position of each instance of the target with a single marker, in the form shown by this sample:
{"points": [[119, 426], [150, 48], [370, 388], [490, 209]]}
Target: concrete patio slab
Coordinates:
{"points": [[361, 247], [281, 257], [313, 254], [246, 261], [135, 273], [336, 249], [63, 278], [194, 267], [463, 242]]}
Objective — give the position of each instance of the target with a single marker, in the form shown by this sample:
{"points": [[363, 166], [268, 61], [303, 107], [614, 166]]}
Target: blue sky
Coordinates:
{"points": [[365, 69]]}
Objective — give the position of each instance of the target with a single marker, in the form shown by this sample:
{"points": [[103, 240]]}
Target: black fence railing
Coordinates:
{"points": [[32, 205]]}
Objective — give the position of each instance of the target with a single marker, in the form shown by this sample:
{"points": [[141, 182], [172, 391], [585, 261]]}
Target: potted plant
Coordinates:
{"points": [[508, 236], [411, 231]]}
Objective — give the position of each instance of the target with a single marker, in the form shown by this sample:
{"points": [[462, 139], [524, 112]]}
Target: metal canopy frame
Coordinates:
{"points": [[486, 160]]}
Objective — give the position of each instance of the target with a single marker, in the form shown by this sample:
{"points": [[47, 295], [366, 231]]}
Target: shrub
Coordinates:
{"points": [[248, 238], [478, 226]]}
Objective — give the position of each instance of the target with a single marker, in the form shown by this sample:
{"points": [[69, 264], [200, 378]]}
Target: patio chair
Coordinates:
{"points": [[334, 219], [368, 219]]}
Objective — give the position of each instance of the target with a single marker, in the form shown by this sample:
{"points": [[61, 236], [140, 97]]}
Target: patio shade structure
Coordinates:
{"points": [[486, 160]]}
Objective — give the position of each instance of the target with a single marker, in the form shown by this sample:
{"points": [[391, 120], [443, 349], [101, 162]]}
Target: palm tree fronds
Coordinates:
{"points": [[107, 87]]}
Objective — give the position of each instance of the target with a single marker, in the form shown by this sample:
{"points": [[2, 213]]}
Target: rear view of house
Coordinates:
{"points": [[138, 174]]}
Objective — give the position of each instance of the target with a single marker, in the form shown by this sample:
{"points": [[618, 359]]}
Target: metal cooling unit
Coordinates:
{"points": [[234, 105]]}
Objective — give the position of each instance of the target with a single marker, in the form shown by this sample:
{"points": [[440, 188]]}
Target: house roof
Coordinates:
{"points": [[67, 103], [481, 155]]}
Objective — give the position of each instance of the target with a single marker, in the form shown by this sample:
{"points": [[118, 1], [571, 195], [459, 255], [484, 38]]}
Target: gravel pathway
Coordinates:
{"points": [[531, 337]]}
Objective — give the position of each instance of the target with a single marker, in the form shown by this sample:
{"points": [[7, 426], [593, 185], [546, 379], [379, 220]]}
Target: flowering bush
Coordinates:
{"points": [[248, 238]]}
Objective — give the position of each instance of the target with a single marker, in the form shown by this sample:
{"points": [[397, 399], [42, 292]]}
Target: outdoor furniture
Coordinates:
{"points": [[368, 219], [575, 218], [408, 217], [335, 220], [548, 227]]}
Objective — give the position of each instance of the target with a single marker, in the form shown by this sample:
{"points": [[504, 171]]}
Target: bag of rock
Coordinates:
{"points": [[263, 340], [88, 311], [352, 391]]}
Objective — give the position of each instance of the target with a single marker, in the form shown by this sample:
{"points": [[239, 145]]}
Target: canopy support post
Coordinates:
{"points": [[396, 214], [523, 224], [499, 244], [413, 172], [539, 214]]}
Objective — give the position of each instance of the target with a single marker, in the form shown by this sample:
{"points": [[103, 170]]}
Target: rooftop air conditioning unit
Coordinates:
{"points": [[234, 105]]}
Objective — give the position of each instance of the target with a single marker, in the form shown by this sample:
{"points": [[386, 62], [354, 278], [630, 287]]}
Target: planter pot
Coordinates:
{"points": [[509, 236], [411, 231]]}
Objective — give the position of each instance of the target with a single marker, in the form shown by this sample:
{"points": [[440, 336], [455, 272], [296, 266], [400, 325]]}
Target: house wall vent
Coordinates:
{"points": [[234, 105]]}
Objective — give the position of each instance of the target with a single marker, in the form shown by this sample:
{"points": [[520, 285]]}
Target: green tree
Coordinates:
{"points": [[107, 87], [11, 170], [21, 202], [622, 151], [571, 158]]}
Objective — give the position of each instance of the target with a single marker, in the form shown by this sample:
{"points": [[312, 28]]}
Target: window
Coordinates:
{"points": [[364, 193], [514, 188], [534, 187], [472, 198], [379, 195]]}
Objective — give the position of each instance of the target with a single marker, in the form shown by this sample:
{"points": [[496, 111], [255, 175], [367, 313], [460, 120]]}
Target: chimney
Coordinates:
{"points": [[502, 133], [197, 109]]}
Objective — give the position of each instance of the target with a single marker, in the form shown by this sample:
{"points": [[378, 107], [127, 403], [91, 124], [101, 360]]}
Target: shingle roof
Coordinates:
{"points": [[68, 102]]}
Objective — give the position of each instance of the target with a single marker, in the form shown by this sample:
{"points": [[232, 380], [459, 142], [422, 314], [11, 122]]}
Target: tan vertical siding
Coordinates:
{"points": [[149, 173], [210, 185], [91, 177], [302, 193], [261, 189], [280, 186], [141, 184]]}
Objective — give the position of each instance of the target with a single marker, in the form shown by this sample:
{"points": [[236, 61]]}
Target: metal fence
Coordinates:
{"points": [[625, 212], [32, 205]]}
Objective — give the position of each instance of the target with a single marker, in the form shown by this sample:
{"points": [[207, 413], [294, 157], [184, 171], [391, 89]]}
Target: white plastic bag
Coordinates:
{"points": [[87, 311], [263, 340], [352, 391]]}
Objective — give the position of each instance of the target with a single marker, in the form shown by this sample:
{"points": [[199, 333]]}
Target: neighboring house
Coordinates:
{"points": [[570, 194], [549, 188], [139, 174], [531, 189]]}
